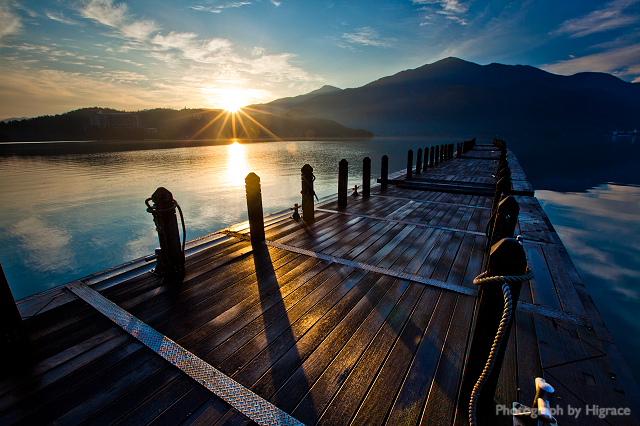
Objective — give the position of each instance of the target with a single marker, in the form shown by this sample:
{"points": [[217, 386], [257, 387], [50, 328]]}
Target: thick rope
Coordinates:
{"points": [[502, 329]]}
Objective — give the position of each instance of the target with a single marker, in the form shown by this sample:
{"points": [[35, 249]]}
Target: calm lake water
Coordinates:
{"points": [[72, 209]]}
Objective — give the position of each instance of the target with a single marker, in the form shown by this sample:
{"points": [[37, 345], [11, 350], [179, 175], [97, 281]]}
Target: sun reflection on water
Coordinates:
{"points": [[236, 168]]}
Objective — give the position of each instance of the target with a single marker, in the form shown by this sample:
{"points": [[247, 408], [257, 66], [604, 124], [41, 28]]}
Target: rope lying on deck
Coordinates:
{"points": [[242, 399]]}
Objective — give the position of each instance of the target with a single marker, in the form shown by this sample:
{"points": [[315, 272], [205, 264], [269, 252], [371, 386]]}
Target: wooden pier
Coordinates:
{"points": [[362, 317]]}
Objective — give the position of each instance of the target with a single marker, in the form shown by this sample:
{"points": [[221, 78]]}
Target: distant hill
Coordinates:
{"points": [[109, 124], [453, 96], [280, 106]]}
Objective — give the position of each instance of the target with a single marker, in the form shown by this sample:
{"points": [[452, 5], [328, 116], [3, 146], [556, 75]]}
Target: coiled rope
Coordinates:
{"points": [[502, 329], [154, 210]]}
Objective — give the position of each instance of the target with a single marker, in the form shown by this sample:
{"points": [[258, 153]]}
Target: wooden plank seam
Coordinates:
{"points": [[242, 399], [402, 222]]}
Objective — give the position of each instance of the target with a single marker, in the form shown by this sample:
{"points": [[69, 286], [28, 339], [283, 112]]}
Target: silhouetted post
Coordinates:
{"points": [[384, 173], [451, 151], [426, 159], [306, 175], [442, 153], [507, 257], [171, 259], [437, 156], [15, 342], [502, 187], [432, 155], [409, 164], [343, 177], [504, 224], [418, 161], [254, 207], [366, 177]]}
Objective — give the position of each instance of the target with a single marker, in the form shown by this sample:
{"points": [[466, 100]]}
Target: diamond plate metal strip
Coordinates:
{"points": [[371, 268], [552, 313], [242, 399], [403, 222]]}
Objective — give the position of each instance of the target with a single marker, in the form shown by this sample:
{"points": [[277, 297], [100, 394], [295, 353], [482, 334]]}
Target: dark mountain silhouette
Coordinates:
{"points": [[161, 123], [281, 105], [453, 96]]}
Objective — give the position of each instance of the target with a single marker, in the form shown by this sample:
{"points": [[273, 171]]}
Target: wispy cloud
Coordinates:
{"points": [[623, 61], [116, 16], [611, 16], [60, 18], [219, 8], [9, 22], [276, 3], [366, 36], [450, 9]]}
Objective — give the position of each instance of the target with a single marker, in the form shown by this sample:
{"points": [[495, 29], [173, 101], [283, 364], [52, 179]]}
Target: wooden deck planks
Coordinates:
{"points": [[327, 343]]}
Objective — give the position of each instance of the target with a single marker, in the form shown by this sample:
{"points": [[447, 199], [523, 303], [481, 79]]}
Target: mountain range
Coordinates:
{"points": [[457, 97]]}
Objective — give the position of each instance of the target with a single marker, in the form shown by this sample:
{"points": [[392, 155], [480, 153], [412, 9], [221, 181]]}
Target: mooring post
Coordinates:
{"points": [[343, 177], [366, 177], [432, 155], [504, 223], [254, 207], [508, 258], [15, 342], [409, 164], [437, 156], [306, 175], [502, 187], [418, 161], [425, 164], [384, 172], [171, 259], [451, 151]]}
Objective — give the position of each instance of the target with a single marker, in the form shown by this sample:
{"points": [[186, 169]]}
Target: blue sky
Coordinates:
{"points": [[60, 55]]}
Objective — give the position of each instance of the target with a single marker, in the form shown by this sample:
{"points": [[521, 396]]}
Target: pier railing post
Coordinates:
{"points": [[254, 207], [425, 164], [306, 175], [409, 164], [418, 161], [384, 173], [432, 155], [507, 257], [437, 156], [343, 178], [504, 221], [15, 342], [171, 260], [366, 177]]}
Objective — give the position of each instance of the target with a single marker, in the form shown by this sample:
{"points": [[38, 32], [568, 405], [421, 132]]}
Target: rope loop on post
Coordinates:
{"points": [[504, 280], [154, 210], [483, 279]]}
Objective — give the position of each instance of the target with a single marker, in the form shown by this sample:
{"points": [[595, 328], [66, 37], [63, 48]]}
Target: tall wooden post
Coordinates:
{"points": [[254, 207], [432, 155], [437, 156], [409, 164], [384, 173], [306, 175], [504, 224], [425, 164], [502, 187], [14, 342], [343, 178], [366, 177], [442, 153], [171, 259], [507, 257], [418, 161]]}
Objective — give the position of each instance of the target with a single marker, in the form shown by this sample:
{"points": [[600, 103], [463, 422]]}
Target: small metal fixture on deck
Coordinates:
{"points": [[539, 414], [355, 191], [171, 256], [296, 215]]}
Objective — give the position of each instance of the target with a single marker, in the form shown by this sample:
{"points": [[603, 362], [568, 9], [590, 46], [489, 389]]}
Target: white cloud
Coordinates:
{"points": [[276, 3], [622, 61], [9, 22], [450, 9], [60, 18], [611, 16], [116, 16], [219, 8], [367, 36], [258, 51]]}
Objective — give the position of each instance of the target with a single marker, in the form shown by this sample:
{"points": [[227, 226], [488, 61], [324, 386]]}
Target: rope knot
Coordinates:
{"points": [[500, 279]]}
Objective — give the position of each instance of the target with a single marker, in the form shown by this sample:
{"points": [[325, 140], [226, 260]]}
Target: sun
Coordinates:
{"points": [[232, 99]]}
